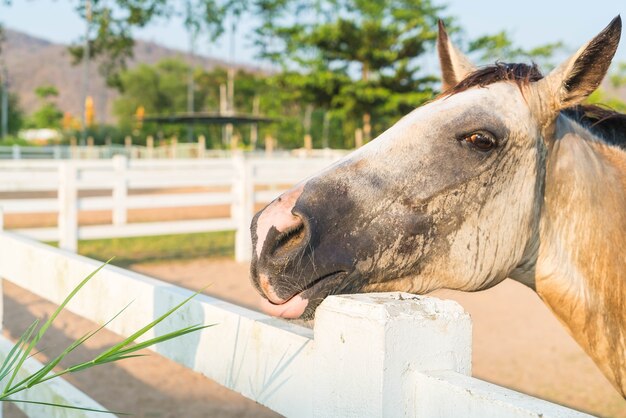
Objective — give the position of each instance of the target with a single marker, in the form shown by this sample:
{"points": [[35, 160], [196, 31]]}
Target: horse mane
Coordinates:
{"points": [[602, 121]]}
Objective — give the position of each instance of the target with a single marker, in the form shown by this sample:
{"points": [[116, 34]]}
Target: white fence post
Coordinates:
{"points": [[120, 189], [1, 287], [150, 147], [17, 152], [68, 207], [243, 206], [201, 146], [1, 290], [368, 345]]}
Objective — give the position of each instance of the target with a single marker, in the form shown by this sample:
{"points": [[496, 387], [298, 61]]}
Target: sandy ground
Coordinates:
{"points": [[148, 387], [518, 343]]}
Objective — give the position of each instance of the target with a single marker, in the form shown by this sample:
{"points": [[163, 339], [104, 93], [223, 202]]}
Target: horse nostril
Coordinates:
{"points": [[290, 239]]}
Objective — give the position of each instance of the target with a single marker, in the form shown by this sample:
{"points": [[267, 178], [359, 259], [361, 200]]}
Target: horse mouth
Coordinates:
{"points": [[303, 303]]}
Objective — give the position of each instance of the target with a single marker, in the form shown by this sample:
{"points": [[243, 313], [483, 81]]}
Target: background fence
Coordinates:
{"points": [[171, 150], [387, 354], [118, 185]]}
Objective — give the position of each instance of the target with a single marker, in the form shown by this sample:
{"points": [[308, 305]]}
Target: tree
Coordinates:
{"points": [[160, 90], [112, 22], [356, 58], [15, 114], [48, 115], [499, 46]]}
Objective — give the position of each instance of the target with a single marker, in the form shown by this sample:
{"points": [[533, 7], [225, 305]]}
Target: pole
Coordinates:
{"points": [[230, 86], [190, 102], [87, 52], [4, 123], [190, 81], [254, 128], [325, 129]]}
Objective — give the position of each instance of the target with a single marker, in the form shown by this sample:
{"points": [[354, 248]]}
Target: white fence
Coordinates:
{"points": [[168, 151], [375, 355], [238, 181]]}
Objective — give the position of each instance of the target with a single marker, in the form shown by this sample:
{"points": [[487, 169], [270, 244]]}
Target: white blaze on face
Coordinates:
{"points": [[278, 215]]}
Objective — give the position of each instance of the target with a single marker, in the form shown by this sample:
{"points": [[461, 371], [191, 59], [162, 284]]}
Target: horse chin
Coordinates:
{"points": [[302, 305]]}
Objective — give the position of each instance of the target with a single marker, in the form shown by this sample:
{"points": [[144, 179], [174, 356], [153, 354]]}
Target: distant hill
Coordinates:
{"points": [[34, 62]]}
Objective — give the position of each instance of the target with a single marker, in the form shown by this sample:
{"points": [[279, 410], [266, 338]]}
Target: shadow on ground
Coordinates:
{"points": [[150, 387]]}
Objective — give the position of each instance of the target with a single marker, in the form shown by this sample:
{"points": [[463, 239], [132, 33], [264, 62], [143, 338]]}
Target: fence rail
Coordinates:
{"points": [[240, 182], [167, 151], [373, 355]]}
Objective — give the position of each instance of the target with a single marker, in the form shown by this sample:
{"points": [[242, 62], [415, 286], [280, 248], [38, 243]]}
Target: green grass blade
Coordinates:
{"points": [[145, 329], [58, 405], [123, 350], [89, 364], [43, 371], [47, 324], [13, 355], [163, 338], [83, 366]]}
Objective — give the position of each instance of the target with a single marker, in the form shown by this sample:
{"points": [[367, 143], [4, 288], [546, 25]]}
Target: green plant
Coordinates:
{"points": [[125, 349]]}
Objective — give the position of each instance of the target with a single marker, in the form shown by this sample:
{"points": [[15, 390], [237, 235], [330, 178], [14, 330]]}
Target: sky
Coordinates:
{"points": [[529, 22]]}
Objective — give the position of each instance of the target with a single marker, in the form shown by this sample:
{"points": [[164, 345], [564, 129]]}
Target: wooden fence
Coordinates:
{"points": [[372, 355], [240, 182]]}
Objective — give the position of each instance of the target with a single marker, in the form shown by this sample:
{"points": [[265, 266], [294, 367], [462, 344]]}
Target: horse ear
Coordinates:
{"points": [[576, 78], [454, 65]]}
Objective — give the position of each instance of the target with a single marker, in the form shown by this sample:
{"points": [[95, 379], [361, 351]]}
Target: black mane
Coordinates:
{"points": [[601, 121]]}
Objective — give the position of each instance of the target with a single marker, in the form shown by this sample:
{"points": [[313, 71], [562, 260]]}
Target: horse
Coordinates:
{"points": [[505, 174]]}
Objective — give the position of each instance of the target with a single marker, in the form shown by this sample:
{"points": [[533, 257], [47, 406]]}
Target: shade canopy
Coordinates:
{"points": [[210, 119]]}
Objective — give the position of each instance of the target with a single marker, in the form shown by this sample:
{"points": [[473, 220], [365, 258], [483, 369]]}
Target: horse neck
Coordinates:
{"points": [[581, 264]]}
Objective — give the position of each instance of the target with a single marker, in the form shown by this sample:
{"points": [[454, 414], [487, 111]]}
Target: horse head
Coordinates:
{"points": [[448, 197]]}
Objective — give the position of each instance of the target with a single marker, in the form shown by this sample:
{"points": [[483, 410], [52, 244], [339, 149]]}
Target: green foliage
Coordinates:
{"points": [[352, 57], [14, 140], [161, 89], [163, 247], [112, 23], [48, 115], [602, 97], [11, 366], [46, 92], [618, 75], [16, 115], [499, 46], [617, 78], [352, 60]]}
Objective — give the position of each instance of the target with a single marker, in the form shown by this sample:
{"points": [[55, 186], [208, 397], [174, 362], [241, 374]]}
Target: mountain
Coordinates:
{"points": [[34, 62]]}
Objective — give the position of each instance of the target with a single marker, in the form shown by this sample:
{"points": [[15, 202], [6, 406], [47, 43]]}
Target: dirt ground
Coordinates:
{"points": [[518, 343]]}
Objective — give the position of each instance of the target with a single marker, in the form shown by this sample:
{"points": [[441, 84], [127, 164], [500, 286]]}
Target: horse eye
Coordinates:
{"points": [[481, 140]]}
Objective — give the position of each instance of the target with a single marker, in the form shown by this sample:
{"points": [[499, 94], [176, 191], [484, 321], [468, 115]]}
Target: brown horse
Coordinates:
{"points": [[504, 175]]}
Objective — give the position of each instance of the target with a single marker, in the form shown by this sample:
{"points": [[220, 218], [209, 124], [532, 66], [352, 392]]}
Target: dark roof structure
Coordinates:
{"points": [[210, 119]]}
